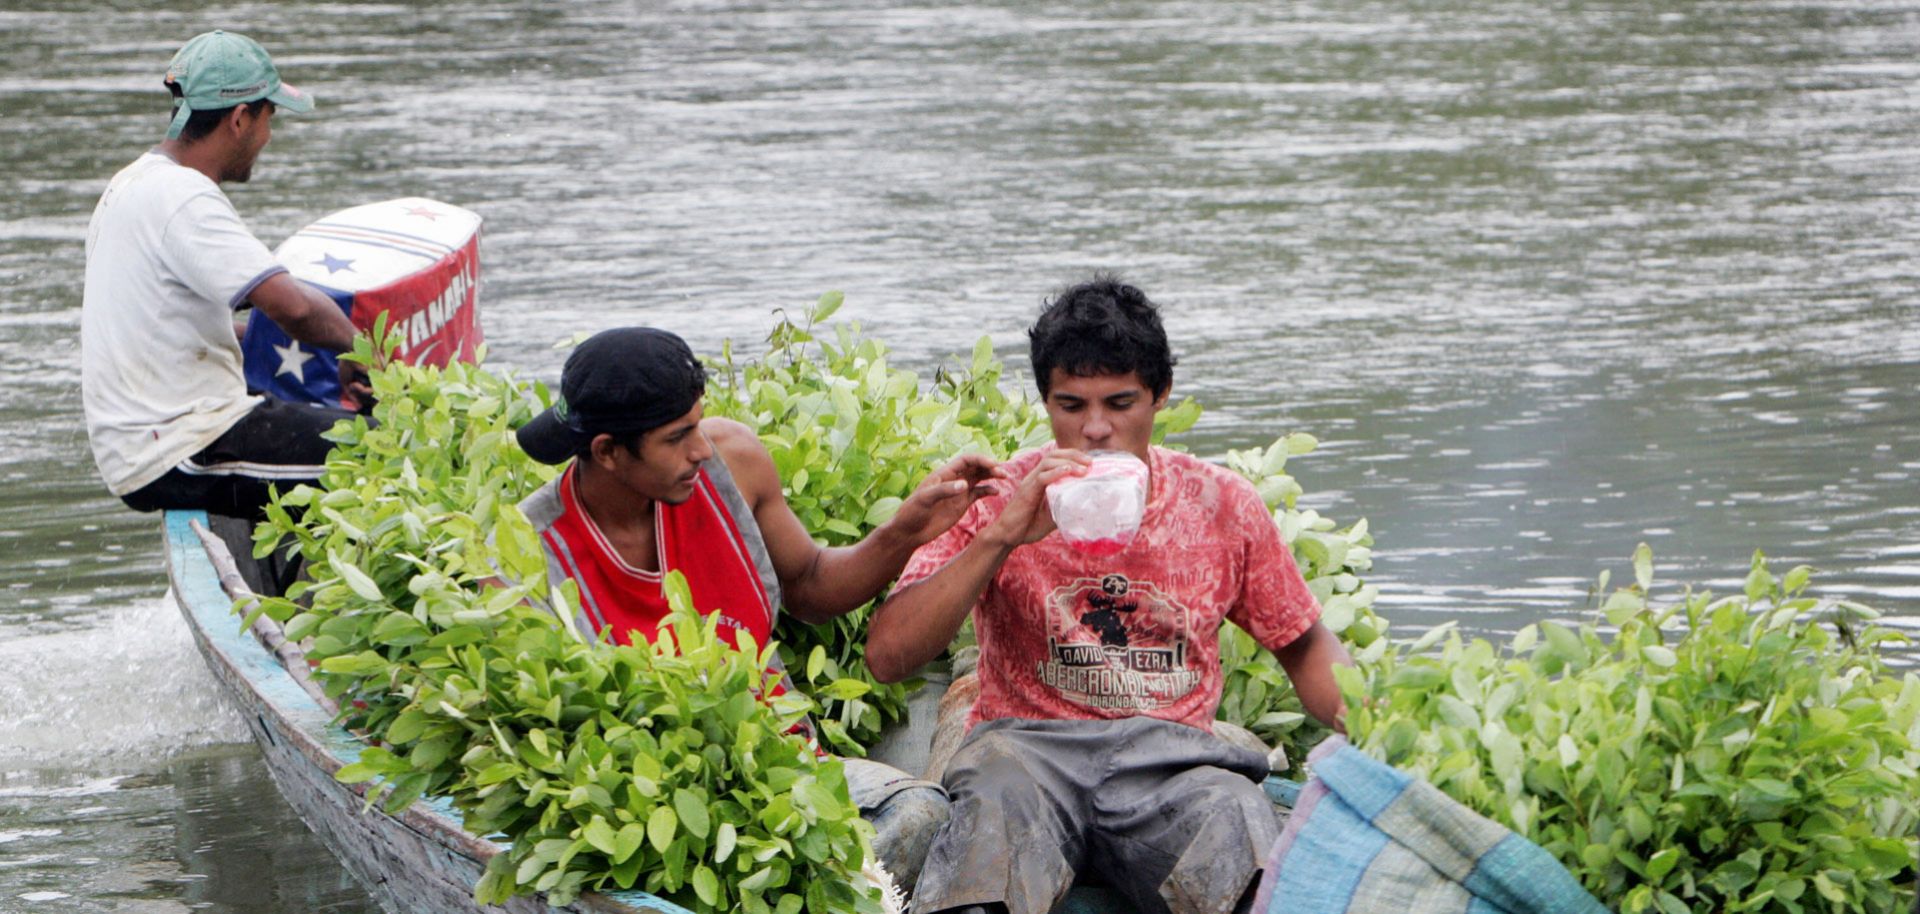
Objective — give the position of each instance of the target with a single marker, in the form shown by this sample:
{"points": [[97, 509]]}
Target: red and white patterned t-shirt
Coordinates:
{"points": [[1067, 635]]}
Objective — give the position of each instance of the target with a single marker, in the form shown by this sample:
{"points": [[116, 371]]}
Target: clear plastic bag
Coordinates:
{"points": [[1100, 512]]}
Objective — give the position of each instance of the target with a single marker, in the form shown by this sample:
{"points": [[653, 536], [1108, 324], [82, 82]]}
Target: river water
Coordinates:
{"points": [[1546, 279]]}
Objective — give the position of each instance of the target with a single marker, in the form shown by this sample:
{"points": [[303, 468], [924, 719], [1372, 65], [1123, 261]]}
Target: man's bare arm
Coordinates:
{"points": [[304, 312], [818, 583], [917, 622], [1309, 661]]}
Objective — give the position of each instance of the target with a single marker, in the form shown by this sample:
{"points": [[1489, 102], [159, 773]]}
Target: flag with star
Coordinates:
{"points": [[413, 259], [286, 369]]}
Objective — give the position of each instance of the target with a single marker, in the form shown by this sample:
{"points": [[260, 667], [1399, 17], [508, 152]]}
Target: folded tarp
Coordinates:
{"points": [[1366, 838]]}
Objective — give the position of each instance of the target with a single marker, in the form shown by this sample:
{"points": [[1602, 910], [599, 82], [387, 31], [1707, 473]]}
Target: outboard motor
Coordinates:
{"points": [[413, 259]]}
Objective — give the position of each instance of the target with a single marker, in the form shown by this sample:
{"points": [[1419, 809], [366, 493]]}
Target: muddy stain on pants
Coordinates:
{"points": [[905, 812], [1171, 817]]}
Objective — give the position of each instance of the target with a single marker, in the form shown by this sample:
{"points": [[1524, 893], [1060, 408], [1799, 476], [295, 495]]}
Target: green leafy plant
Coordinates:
{"points": [[1745, 753], [652, 766], [1739, 753], [663, 767], [852, 436], [574, 749], [1256, 693]]}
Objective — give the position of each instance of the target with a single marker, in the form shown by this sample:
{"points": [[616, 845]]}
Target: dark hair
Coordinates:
{"points": [[1101, 327], [200, 123], [629, 440]]}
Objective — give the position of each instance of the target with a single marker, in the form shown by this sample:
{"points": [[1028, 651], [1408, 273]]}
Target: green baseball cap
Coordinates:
{"points": [[219, 70]]}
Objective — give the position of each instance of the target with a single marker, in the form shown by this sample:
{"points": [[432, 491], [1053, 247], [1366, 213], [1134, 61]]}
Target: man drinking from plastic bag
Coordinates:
{"points": [[1090, 754]]}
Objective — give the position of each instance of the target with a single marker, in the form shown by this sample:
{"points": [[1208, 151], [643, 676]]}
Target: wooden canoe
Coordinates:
{"points": [[421, 859]]}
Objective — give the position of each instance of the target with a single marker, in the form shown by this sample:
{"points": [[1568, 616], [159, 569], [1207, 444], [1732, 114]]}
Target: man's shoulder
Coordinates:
{"points": [[1181, 463], [545, 505], [155, 176], [1214, 486], [746, 459], [154, 188], [736, 445], [729, 434]]}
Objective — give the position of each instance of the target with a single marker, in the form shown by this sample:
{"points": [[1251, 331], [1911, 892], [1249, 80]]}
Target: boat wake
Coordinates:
{"points": [[111, 698]]}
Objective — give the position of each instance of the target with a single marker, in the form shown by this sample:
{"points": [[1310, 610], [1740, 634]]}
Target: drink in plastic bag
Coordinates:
{"points": [[1099, 513]]}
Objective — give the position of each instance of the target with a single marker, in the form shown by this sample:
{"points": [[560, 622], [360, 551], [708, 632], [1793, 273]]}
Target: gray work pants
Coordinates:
{"points": [[1170, 817], [905, 813]]}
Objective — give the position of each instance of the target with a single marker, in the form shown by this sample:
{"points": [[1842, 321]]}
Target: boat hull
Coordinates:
{"points": [[418, 860]]}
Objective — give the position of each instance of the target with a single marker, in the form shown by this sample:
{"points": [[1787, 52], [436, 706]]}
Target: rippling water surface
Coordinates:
{"points": [[1547, 280]]}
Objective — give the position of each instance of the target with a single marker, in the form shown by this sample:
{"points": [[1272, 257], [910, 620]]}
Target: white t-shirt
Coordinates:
{"points": [[168, 261]]}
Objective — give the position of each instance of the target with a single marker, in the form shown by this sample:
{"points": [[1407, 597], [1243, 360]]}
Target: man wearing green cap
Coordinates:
{"points": [[169, 416]]}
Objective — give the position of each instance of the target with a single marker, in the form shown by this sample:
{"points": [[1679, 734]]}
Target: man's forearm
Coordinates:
{"points": [[304, 312], [323, 325], [1309, 662], [916, 623], [844, 577]]}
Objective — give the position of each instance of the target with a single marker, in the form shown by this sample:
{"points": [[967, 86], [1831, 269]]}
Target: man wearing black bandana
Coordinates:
{"points": [[654, 487]]}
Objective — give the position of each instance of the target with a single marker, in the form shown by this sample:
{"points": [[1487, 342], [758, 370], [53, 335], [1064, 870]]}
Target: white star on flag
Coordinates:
{"points": [[293, 361]]}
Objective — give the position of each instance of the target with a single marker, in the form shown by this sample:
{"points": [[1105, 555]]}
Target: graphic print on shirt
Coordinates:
{"points": [[1117, 644]]}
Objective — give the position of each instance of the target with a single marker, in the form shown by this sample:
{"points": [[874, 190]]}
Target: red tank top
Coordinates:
{"points": [[698, 538]]}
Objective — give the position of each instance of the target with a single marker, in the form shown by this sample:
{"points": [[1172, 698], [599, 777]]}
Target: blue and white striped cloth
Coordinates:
{"points": [[1366, 838]]}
